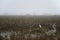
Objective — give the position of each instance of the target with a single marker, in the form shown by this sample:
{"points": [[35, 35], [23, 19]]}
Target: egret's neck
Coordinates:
{"points": [[54, 27]]}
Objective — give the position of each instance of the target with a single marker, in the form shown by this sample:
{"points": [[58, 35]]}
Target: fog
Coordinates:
{"points": [[32, 7]]}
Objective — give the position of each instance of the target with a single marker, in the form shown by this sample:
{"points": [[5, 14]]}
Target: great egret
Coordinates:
{"points": [[49, 32], [52, 31]]}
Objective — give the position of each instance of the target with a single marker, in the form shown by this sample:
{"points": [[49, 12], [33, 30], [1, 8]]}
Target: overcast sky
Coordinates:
{"points": [[34, 7]]}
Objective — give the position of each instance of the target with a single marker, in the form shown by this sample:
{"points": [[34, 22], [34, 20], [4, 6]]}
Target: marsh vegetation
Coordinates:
{"points": [[27, 27]]}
